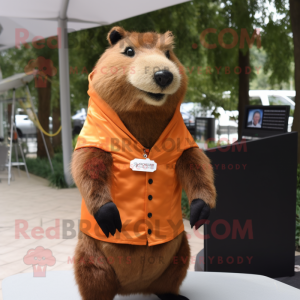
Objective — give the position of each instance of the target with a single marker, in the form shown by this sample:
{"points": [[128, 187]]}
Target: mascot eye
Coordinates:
{"points": [[129, 51], [168, 54]]}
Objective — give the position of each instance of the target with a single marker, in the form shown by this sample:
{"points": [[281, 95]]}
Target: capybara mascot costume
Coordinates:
{"points": [[132, 159]]}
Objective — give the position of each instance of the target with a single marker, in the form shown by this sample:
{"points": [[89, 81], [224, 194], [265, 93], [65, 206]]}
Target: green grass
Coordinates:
{"points": [[74, 141], [185, 207], [41, 167], [298, 219], [298, 209], [213, 144]]}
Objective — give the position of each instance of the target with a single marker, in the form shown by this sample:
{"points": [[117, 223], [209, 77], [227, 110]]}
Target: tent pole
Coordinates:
{"points": [[65, 105], [12, 119], [17, 156], [1, 120]]}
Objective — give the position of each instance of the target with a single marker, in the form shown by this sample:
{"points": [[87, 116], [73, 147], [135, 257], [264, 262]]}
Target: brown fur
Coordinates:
{"points": [[103, 270], [196, 175], [92, 172], [103, 280], [96, 278]]}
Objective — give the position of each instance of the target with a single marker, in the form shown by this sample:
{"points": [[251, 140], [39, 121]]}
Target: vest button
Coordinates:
{"points": [[149, 231], [149, 215], [150, 181], [150, 197]]}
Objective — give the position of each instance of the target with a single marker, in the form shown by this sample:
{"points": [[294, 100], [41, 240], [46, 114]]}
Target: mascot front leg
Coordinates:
{"points": [[196, 175], [91, 170]]}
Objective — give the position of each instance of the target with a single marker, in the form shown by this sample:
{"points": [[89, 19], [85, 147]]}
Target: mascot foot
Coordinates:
{"points": [[170, 296]]}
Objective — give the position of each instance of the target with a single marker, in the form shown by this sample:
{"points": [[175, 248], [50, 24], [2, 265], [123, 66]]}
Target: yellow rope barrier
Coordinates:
{"points": [[33, 117], [42, 129]]}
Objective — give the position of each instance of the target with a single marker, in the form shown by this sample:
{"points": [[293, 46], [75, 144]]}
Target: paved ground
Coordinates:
{"points": [[37, 204]]}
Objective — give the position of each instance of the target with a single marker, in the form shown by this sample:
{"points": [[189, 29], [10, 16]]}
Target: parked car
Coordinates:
{"points": [[78, 121], [271, 97], [25, 126]]}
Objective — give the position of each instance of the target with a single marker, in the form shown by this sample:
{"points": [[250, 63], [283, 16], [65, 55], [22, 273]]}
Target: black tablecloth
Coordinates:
{"points": [[292, 280]]}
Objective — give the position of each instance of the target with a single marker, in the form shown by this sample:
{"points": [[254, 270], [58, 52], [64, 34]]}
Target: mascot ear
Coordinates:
{"points": [[116, 34]]}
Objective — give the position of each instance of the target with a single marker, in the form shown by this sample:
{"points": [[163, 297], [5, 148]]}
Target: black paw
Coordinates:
{"points": [[170, 296], [199, 212], [108, 218]]}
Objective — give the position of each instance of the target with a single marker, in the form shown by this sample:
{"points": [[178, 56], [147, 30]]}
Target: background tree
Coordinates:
{"points": [[295, 21], [233, 32], [44, 88], [45, 61], [211, 70]]}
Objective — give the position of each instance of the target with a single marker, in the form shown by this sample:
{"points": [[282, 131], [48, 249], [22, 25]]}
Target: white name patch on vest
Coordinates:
{"points": [[143, 165]]}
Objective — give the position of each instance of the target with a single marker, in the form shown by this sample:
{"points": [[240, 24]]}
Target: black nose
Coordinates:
{"points": [[163, 78]]}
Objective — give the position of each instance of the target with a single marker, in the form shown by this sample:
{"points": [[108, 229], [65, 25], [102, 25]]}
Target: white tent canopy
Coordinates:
{"points": [[39, 17], [42, 18], [14, 82]]}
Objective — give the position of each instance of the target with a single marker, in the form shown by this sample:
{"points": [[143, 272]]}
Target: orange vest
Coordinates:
{"points": [[149, 203]]}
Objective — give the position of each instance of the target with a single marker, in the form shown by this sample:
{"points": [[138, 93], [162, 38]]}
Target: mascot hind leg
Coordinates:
{"points": [[166, 287], [103, 270], [95, 277]]}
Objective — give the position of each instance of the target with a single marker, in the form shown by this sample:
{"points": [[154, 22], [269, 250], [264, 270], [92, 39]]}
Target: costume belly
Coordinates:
{"points": [[139, 264]]}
